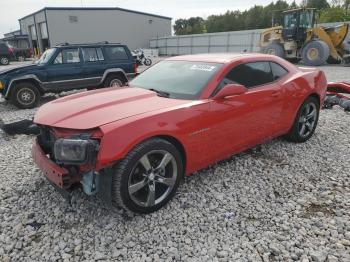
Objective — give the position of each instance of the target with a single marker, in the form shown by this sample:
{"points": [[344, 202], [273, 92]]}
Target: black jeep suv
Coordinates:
{"points": [[67, 67]]}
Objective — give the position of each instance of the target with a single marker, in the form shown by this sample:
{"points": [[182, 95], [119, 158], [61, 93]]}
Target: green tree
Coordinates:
{"points": [[293, 5], [334, 14], [193, 25], [318, 4]]}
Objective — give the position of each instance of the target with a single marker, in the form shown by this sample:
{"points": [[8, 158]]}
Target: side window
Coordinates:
{"points": [[278, 71], [250, 74], [116, 53], [92, 54], [67, 56]]}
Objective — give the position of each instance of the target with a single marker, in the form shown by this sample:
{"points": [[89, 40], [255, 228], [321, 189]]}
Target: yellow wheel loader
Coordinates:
{"points": [[297, 38]]}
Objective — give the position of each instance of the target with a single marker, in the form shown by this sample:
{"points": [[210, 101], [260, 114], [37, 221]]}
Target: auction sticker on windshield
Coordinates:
{"points": [[208, 68]]}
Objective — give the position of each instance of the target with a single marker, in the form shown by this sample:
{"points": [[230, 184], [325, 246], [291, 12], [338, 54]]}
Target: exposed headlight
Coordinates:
{"points": [[75, 151], [2, 86]]}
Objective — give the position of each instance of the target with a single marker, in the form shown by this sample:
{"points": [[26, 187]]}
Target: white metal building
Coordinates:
{"points": [[54, 25]]}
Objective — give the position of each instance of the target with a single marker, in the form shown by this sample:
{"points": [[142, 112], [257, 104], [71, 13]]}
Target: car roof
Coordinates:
{"points": [[222, 58], [66, 45]]}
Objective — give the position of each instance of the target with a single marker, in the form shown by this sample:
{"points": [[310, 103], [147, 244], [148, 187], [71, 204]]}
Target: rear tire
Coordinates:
{"points": [[114, 81], [25, 95], [305, 121], [148, 177], [4, 60], [315, 53], [274, 49]]}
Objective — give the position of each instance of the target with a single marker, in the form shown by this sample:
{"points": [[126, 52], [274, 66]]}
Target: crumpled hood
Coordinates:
{"points": [[92, 109]]}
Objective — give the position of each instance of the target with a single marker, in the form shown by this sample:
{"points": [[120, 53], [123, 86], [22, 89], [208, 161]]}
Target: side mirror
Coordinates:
{"points": [[230, 90]]}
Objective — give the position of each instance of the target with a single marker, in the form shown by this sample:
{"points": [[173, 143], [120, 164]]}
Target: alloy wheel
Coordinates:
{"points": [[116, 83], [152, 178], [26, 96], [4, 61], [307, 119]]}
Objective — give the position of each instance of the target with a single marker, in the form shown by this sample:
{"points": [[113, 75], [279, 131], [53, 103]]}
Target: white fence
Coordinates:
{"points": [[234, 41]]}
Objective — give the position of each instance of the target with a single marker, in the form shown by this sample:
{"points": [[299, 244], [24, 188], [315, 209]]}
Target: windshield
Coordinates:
{"points": [[306, 19], [179, 79], [45, 57]]}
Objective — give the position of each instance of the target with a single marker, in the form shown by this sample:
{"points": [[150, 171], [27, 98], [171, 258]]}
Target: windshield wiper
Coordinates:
{"points": [[160, 93]]}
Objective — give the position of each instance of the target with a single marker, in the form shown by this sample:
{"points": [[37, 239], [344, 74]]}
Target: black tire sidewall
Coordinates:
{"points": [[111, 78], [279, 49], [1, 60], [148, 62], [17, 88], [323, 53], [126, 168], [294, 132]]}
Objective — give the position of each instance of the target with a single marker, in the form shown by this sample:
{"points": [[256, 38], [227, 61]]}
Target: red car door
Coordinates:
{"points": [[242, 121]]}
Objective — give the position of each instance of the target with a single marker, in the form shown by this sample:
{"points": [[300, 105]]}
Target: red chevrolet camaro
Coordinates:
{"points": [[133, 145]]}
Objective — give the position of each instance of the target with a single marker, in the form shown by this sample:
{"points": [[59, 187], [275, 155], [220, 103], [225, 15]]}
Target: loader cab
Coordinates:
{"points": [[296, 23]]}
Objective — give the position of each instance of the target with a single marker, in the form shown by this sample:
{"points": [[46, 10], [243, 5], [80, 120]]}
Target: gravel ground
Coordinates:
{"points": [[277, 202]]}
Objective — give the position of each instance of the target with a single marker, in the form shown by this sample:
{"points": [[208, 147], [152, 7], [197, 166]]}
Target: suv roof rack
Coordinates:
{"points": [[97, 43]]}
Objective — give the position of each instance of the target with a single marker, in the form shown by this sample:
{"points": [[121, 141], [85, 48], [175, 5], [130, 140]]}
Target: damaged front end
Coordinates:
{"points": [[68, 159]]}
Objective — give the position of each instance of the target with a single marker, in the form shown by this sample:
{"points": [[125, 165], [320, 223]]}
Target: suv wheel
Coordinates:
{"points": [[148, 177], [4, 60], [114, 81], [25, 95]]}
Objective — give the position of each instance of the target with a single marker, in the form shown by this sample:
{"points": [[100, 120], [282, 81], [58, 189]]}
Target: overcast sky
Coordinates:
{"points": [[12, 10]]}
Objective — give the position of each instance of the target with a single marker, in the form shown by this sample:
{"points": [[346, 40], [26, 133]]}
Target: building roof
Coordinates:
{"points": [[94, 9]]}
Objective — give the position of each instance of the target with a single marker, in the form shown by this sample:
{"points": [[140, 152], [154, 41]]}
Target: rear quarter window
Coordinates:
{"points": [[278, 71], [250, 74], [116, 53]]}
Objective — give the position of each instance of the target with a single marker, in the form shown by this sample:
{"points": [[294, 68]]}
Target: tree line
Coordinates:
{"points": [[259, 17]]}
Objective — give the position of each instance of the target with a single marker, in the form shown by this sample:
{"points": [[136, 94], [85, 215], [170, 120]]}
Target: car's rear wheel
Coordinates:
{"points": [[305, 122], [4, 60], [147, 62], [114, 81], [148, 177], [25, 95]]}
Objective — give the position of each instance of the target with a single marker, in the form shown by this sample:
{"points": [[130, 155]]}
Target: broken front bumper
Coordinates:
{"points": [[62, 179], [53, 172]]}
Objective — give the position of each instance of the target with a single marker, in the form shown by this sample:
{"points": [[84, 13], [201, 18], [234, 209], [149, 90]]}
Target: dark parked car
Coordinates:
{"points": [[67, 67], [22, 53], [6, 53]]}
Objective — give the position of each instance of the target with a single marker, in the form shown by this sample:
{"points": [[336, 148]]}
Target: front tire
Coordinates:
{"points": [[305, 121], [315, 53], [148, 177], [25, 95], [4, 60]]}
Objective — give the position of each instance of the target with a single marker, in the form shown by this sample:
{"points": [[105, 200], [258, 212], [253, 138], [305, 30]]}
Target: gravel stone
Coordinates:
{"points": [[277, 202]]}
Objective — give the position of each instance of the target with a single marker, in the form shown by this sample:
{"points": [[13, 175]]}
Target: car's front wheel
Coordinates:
{"points": [[306, 121], [148, 177], [25, 95]]}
